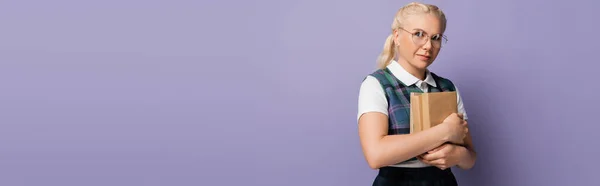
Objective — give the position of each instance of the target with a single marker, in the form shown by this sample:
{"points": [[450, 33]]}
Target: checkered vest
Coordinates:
{"points": [[398, 97]]}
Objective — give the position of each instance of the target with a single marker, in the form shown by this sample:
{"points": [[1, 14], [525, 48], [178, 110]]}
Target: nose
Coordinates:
{"points": [[427, 44]]}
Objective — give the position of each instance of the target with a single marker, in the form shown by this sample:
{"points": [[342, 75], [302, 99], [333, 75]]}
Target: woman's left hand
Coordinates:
{"points": [[444, 156]]}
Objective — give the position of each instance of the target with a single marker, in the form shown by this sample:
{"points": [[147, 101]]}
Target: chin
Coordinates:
{"points": [[419, 64]]}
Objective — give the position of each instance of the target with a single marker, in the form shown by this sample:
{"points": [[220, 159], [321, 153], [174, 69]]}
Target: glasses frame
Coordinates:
{"points": [[427, 36]]}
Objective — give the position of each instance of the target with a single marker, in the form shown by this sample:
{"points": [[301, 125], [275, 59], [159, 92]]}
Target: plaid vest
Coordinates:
{"points": [[398, 97]]}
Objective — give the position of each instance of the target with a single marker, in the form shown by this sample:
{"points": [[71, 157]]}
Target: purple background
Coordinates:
{"points": [[176, 92]]}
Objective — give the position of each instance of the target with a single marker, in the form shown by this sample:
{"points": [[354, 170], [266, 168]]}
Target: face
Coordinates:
{"points": [[419, 40]]}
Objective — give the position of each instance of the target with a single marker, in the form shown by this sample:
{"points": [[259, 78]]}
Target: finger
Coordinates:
{"points": [[434, 156], [427, 157], [443, 146], [428, 162], [431, 151], [422, 156], [434, 150], [438, 162]]}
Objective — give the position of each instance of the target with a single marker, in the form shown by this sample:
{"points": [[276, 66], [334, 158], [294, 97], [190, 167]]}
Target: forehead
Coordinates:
{"points": [[426, 22]]}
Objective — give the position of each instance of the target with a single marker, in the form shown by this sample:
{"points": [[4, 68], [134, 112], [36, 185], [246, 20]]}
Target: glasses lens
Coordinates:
{"points": [[437, 41], [419, 39], [442, 41]]}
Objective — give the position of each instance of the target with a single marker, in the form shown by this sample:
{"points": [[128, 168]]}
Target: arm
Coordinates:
{"points": [[469, 156], [448, 155], [381, 149], [467, 159]]}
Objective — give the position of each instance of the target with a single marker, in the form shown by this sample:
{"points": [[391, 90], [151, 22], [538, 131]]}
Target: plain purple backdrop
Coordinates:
{"points": [[176, 92]]}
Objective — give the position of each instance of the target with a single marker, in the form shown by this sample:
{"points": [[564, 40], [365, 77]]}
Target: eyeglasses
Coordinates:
{"points": [[420, 37]]}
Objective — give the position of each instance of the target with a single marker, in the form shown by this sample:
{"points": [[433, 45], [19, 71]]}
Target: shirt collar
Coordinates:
{"points": [[408, 79]]}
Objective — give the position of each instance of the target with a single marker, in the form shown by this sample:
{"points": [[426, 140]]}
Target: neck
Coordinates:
{"points": [[418, 73]]}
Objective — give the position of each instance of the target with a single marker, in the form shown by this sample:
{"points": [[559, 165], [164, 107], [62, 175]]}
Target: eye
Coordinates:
{"points": [[419, 34], [436, 37]]}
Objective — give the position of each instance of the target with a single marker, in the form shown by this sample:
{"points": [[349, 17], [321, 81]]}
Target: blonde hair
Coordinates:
{"points": [[389, 48]]}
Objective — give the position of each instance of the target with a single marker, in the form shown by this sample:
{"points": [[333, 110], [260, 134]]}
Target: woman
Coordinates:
{"points": [[422, 158]]}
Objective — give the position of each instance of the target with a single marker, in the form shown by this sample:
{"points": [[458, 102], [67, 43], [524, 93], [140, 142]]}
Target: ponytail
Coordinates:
{"points": [[388, 53]]}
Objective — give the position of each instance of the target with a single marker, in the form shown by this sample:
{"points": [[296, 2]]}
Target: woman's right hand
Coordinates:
{"points": [[456, 127]]}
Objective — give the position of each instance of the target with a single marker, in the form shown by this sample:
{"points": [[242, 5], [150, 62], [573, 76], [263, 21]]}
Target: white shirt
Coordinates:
{"points": [[372, 97]]}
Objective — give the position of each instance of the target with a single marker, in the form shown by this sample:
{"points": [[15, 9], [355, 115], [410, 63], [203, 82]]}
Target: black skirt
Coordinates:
{"points": [[427, 176]]}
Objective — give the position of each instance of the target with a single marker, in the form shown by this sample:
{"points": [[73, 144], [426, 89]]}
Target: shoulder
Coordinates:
{"points": [[371, 97], [444, 82], [440, 78], [378, 74], [369, 82], [383, 76], [374, 80]]}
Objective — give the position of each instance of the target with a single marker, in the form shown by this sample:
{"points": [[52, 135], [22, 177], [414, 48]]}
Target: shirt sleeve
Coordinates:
{"points": [[371, 97], [461, 107]]}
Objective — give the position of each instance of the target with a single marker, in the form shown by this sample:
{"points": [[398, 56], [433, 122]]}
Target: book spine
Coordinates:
{"points": [[425, 112]]}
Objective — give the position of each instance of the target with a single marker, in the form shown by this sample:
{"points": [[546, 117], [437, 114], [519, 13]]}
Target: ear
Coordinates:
{"points": [[396, 37]]}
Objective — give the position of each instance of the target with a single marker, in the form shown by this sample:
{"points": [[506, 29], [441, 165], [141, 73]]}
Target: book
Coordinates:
{"points": [[430, 109]]}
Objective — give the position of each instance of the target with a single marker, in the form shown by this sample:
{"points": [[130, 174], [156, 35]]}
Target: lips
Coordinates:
{"points": [[424, 57]]}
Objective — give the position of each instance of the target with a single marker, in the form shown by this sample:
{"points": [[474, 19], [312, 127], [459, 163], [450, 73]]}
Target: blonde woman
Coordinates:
{"points": [[423, 158]]}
